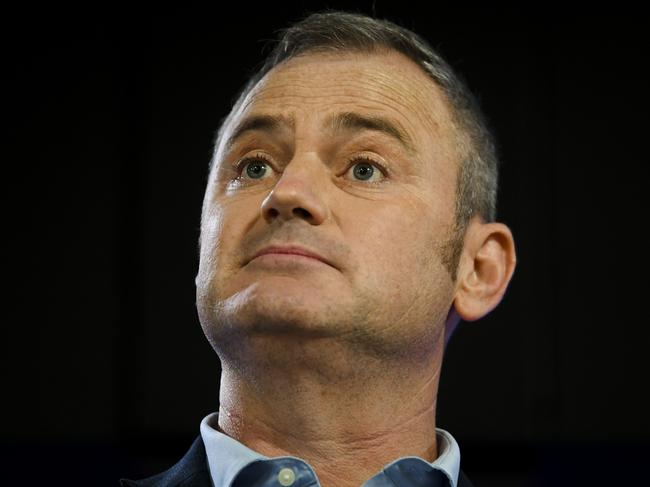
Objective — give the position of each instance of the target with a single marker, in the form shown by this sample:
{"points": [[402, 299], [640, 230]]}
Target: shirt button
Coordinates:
{"points": [[286, 477]]}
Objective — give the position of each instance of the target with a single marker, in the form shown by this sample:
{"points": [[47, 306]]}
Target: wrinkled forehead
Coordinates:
{"points": [[312, 87]]}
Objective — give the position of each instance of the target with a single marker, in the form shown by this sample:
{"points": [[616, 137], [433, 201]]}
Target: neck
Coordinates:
{"points": [[346, 422]]}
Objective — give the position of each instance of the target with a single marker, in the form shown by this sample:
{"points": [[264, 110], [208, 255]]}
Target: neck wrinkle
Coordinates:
{"points": [[339, 437]]}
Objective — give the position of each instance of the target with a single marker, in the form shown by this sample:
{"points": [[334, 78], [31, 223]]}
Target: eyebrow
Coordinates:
{"points": [[355, 122], [268, 123], [346, 121]]}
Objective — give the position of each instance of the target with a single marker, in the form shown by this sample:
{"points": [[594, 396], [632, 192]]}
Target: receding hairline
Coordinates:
{"points": [[460, 142]]}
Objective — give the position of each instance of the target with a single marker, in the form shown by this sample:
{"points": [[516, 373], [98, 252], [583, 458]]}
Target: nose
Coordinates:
{"points": [[295, 195]]}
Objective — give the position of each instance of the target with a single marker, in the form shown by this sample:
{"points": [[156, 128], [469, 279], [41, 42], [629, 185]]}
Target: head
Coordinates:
{"points": [[357, 142]]}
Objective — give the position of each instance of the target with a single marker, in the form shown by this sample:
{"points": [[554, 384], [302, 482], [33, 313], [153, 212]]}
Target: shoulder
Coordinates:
{"points": [[191, 471]]}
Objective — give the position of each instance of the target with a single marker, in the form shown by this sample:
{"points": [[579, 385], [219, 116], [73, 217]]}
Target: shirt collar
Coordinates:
{"points": [[227, 456]]}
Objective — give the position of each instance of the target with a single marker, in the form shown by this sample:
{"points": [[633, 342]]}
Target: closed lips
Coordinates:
{"points": [[291, 251]]}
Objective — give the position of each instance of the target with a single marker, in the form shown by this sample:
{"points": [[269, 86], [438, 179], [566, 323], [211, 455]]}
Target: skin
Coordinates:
{"points": [[339, 364]]}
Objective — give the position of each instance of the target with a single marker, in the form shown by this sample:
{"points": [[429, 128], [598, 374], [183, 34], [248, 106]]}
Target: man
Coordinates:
{"points": [[347, 227]]}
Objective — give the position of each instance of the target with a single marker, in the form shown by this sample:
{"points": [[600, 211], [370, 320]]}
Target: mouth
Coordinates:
{"points": [[284, 254]]}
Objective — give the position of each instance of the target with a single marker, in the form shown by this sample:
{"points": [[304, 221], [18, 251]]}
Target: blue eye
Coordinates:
{"points": [[365, 169], [256, 169]]}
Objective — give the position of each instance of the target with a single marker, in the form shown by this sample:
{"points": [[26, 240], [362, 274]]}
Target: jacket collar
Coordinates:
{"points": [[193, 471]]}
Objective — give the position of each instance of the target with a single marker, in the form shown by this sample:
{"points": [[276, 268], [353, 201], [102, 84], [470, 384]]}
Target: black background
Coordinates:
{"points": [[111, 115]]}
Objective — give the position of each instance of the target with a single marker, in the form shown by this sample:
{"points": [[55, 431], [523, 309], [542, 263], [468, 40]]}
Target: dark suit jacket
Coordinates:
{"points": [[192, 471]]}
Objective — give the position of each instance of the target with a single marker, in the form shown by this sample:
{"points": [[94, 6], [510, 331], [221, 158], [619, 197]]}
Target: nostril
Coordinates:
{"points": [[301, 213], [272, 213]]}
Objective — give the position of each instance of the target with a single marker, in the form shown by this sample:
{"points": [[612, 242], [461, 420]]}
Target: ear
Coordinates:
{"points": [[485, 268]]}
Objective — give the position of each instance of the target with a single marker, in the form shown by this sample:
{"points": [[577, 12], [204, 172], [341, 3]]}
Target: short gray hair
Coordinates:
{"points": [[335, 31]]}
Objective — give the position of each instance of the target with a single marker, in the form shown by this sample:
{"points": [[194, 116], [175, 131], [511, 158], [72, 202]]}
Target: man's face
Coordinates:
{"points": [[349, 156]]}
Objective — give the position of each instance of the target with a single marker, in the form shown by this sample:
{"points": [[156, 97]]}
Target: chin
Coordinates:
{"points": [[272, 306]]}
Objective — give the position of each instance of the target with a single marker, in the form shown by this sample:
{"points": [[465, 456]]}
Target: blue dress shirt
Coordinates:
{"points": [[232, 464]]}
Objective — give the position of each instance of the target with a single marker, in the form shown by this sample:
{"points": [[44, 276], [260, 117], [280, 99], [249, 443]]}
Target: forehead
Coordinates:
{"points": [[312, 88]]}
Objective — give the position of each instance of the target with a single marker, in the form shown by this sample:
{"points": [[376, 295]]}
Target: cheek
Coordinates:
{"points": [[390, 236], [220, 233], [212, 223]]}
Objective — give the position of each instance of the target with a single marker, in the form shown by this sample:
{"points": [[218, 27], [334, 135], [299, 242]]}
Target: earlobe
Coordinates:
{"points": [[487, 265]]}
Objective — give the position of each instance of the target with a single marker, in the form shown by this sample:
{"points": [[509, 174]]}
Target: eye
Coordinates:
{"points": [[365, 169], [255, 167]]}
